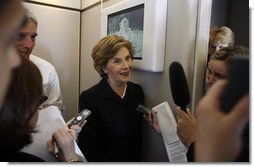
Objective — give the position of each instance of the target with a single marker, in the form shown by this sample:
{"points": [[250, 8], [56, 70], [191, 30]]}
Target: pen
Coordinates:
{"points": [[56, 151]]}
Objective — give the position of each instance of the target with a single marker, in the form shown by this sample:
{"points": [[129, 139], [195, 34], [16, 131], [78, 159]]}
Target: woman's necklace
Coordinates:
{"points": [[124, 91]]}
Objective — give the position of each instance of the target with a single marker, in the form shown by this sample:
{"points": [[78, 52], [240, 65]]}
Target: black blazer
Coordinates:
{"points": [[113, 130]]}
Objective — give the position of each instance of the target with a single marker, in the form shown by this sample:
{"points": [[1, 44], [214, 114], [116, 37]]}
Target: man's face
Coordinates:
{"points": [[25, 40]]}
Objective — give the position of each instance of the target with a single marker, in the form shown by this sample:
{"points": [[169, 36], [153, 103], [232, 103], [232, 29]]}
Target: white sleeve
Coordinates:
{"points": [[52, 90]]}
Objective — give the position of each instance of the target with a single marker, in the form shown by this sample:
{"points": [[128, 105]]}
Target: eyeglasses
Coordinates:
{"points": [[42, 99]]}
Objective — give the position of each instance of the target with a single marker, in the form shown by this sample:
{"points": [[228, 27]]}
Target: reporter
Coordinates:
{"points": [[220, 61], [217, 70], [219, 134], [19, 115], [220, 37]]}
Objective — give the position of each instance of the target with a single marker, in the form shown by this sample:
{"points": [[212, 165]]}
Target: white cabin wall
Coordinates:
{"points": [[90, 34]]}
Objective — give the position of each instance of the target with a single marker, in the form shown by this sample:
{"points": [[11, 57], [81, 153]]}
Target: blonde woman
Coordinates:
{"points": [[220, 37]]}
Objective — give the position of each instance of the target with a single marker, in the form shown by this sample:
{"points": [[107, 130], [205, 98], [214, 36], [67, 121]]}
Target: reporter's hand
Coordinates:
{"points": [[219, 134], [186, 126], [74, 130], [65, 144]]}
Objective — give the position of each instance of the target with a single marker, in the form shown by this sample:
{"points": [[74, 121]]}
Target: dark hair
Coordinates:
{"points": [[6, 3], [107, 48], [21, 102]]}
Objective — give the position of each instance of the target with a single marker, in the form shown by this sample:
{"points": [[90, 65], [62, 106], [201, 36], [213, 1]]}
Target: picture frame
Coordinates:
{"points": [[143, 23]]}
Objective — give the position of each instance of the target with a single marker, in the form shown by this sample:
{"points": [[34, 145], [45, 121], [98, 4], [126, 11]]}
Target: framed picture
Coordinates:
{"points": [[143, 23]]}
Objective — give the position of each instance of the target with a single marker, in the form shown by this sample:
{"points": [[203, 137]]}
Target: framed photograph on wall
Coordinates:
{"points": [[143, 23]]}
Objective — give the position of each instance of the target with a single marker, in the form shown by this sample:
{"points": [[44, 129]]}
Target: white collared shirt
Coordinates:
{"points": [[51, 85]]}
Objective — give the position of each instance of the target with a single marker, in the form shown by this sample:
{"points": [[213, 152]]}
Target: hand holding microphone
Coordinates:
{"points": [[186, 123]]}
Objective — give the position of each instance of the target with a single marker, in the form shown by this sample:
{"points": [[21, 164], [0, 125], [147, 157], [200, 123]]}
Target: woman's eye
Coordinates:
{"points": [[128, 57], [221, 77], [116, 61]]}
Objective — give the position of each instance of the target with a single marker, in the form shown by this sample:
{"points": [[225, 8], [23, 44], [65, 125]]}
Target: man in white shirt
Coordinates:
{"points": [[24, 45]]}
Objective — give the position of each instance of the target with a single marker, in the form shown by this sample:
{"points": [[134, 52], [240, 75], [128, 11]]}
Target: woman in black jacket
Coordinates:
{"points": [[113, 130]]}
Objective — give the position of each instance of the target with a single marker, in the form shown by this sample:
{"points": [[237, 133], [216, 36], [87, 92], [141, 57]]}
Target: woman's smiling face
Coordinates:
{"points": [[119, 67]]}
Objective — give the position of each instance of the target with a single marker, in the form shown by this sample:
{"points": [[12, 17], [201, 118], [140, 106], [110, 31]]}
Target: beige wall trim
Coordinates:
{"points": [[201, 50], [85, 4], [77, 5], [63, 4]]}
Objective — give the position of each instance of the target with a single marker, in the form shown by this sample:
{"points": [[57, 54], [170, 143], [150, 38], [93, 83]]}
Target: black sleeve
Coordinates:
{"points": [[190, 153], [141, 94]]}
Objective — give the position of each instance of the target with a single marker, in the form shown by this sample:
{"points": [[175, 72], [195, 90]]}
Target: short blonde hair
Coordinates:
{"points": [[107, 48], [226, 54], [223, 34]]}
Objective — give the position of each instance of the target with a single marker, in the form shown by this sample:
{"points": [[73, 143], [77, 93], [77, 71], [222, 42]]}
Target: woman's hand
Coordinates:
{"points": [[64, 142], [74, 130], [151, 119]]}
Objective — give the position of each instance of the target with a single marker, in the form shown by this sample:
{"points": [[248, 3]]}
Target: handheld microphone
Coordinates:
{"points": [[179, 86], [238, 83]]}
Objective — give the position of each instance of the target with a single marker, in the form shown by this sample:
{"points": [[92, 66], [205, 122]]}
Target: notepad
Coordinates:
{"points": [[49, 120], [175, 149]]}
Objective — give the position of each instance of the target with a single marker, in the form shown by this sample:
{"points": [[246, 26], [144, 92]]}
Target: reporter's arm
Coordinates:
{"points": [[219, 134]]}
